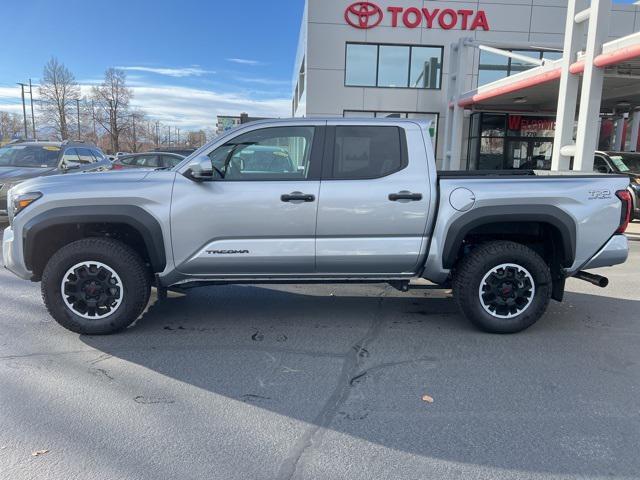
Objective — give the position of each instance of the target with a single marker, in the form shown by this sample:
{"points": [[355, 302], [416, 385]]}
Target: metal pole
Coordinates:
{"points": [[24, 112], [135, 144], [33, 118], [93, 117], [78, 112], [157, 134]]}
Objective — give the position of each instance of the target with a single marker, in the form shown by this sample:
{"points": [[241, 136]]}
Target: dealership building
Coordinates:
{"points": [[395, 58]]}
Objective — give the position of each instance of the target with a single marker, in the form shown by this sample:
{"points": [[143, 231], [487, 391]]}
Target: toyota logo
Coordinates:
{"points": [[363, 15]]}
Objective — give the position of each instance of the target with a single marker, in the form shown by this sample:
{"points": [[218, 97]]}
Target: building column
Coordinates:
{"points": [[618, 139], [592, 83], [635, 131], [569, 86], [452, 155]]}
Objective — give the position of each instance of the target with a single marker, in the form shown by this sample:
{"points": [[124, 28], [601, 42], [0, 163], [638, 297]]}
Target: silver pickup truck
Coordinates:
{"points": [[314, 200]]}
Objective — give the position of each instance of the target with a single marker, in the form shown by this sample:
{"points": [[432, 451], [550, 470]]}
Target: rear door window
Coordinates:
{"points": [[85, 155], [366, 152], [169, 161]]}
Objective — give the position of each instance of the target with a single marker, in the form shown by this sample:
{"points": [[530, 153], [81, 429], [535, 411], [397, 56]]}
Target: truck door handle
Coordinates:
{"points": [[297, 197], [404, 195]]}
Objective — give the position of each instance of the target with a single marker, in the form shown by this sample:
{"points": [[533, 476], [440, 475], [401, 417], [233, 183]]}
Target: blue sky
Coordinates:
{"points": [[187, 61]]}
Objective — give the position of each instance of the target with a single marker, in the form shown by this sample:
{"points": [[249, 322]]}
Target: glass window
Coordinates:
{"points": [[85, 155], [70, 157], [491, 154], [97, 155], [29, 156], [280, 153], [366, 152], [425, 67], [492, 125], [147, 161], [492, 67], [169, 161], [518, 66], [552, 55], [361, 65], [393, 66]]}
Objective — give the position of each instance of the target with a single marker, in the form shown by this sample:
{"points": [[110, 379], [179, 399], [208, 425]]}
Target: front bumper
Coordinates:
{"points": [[615, 251], [12, 255]]}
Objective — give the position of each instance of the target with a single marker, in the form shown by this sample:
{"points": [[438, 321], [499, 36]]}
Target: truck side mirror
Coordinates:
{"points": [[201, 169]]}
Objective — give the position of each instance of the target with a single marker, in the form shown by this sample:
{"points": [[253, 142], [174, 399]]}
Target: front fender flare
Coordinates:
{"points": [[136, 217]]}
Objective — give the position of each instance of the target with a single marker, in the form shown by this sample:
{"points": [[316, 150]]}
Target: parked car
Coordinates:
{"points": [[185, 152], [20, 161], [364, 203], [148, 160], [121, 154], [625, 163]]}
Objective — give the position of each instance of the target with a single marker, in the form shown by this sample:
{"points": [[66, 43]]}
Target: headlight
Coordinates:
{"points": [[636, 180], [17, 203]]}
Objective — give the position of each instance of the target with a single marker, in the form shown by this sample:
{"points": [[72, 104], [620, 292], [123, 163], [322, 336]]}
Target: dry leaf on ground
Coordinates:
{"points": [[427, 398], [39, 452]]}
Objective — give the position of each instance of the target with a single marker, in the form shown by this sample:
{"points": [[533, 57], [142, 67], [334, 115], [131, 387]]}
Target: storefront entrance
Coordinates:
{"points": [[500, 141], [528, 153]]}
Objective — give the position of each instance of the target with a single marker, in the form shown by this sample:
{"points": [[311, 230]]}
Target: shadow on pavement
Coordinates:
{"points": [[359, 365]]}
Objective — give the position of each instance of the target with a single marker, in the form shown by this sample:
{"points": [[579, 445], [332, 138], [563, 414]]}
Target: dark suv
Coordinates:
{"points": [[626, 163], [23, 160]]}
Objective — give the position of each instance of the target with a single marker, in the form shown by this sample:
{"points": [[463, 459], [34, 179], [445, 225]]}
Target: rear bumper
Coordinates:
{"points": [[615, 251]]}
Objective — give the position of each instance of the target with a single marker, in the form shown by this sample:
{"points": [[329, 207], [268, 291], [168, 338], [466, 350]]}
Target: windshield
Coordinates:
{"points": [[36, 156], [628, 162]]}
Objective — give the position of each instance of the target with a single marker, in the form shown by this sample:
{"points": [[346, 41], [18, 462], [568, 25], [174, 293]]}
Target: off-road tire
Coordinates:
{"points": [[471, 271], [136, 284]]}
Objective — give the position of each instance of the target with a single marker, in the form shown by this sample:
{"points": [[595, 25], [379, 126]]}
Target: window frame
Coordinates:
{"points": [[411, 47], [315, 155], [328, 161]]}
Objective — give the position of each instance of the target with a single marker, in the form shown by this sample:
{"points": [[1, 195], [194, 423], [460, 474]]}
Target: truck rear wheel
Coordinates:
{"points": [[502, 287], [95, 286]]}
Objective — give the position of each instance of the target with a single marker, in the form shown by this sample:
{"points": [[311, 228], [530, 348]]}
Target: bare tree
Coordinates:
{"points": [[58, 92], [10, 125], [111, 101]]}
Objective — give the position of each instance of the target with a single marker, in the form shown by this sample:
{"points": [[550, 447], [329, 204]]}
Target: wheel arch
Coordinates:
{"points": [[508, 220], [47, 232]]}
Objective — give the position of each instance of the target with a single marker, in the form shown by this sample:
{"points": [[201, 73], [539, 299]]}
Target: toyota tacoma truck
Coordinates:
{"points": [[313, 201]]}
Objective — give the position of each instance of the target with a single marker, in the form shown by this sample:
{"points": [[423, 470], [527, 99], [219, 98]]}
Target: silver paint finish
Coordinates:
{"points": [[249, 215], [596, 220], [614, 252], [360, 233], [462, 199]]}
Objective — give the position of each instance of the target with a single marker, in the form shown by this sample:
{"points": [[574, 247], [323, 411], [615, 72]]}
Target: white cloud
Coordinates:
{"points": [[245, 61], [183, 107], [179, 72], [190, 108], [264, 81]]}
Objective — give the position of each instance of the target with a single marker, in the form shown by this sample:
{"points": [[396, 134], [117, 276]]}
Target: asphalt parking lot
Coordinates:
{"points": [[310, 382]]}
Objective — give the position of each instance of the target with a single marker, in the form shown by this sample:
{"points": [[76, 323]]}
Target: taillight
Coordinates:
{"points": [[625, 216], [116, 166]]}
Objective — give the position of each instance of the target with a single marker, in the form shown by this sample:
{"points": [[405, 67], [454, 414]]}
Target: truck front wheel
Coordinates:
{"points": [[95, 286], [502, 287]]}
